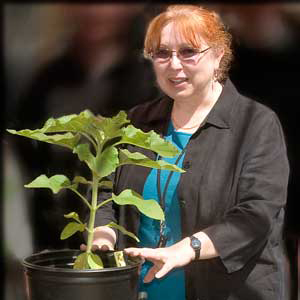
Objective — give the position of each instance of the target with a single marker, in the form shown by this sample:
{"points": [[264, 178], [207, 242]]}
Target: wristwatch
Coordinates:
{"points": [[196, 245]]}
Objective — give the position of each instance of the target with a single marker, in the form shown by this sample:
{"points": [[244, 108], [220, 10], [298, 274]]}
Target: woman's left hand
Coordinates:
{"points": [[164, 259]]}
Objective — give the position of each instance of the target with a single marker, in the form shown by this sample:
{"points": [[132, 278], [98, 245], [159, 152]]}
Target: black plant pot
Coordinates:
{"points": [[49, 276]]}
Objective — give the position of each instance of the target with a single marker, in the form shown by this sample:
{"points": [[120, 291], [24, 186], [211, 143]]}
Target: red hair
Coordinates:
{"points": [[194, 23]]}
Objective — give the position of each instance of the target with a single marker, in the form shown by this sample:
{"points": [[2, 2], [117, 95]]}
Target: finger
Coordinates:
{"points": [[154, 255], [82, 247], [151, 274], [133, 251], [104, 248], [163, 271], [150, 254], [147, 253], [95, 247]]}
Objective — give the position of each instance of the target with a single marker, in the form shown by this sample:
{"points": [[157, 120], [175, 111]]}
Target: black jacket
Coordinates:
{"points": [[234, 189]]}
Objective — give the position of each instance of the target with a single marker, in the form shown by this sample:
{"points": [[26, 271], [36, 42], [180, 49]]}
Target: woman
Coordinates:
{"points": [[224, 215]]}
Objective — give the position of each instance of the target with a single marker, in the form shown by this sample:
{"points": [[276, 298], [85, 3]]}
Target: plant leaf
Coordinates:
{"points": [[82, 123], [73, 215], [68, 139], [140, 159], [68, 129], [55, 183], [123, 230], [106, 183], [70, 229], [94, 261], [81, 262], [73, 123], [149, 207], [111, 126], [148, 140], [84, 154], [107, 161], [82, 180]]}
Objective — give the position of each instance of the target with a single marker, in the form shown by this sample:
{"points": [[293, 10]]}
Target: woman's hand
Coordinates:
{"points": [[95, 247], [164, 259], [104, 239]]}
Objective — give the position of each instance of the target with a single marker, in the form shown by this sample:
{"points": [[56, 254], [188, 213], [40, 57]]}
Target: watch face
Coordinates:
{"points": [[195, 243]]}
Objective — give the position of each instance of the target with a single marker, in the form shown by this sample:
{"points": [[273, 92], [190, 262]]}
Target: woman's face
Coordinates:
{"points": [[185, 80]]}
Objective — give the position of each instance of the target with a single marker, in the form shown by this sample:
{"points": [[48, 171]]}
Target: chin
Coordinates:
{"points": [[180, 96]]}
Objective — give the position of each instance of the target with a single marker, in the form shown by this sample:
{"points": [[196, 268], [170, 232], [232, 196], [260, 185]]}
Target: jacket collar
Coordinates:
{"points": [[221, 114]]}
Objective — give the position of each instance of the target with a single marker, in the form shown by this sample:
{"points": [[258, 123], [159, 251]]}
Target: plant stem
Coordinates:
{"points": [[104, 202], [82, 198], [93, 210], [90, 139]]}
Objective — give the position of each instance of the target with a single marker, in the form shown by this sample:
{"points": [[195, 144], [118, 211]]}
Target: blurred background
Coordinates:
{"points": [[64, 58]]}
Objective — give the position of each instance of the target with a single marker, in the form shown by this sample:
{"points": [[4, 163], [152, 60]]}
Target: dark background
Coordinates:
{"points": [[62, 58]]}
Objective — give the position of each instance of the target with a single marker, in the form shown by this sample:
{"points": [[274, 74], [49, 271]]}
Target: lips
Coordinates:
{"points": [[178, 80]]}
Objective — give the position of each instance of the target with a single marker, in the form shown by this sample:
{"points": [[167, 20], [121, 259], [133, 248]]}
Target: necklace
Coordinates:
{"points": [[187, 128]]}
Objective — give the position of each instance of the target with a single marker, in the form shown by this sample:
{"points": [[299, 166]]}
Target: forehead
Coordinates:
{"points": [[172, 34]]}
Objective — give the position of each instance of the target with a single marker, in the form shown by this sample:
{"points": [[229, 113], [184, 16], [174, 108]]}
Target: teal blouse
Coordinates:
{"points": [[171, 286]]}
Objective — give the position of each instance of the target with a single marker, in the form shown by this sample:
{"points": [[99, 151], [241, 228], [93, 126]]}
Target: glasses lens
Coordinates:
{"points": [[186, 53], [162, 54]]}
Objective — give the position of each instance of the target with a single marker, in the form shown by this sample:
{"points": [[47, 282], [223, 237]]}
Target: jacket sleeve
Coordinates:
{"points": [[261, 195]]}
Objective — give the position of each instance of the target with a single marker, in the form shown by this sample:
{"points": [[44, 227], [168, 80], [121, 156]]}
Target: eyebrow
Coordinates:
{"points": [[180, 46]]}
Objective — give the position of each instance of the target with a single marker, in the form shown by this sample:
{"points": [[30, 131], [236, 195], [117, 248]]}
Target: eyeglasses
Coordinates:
{"points": [[185, 54]]}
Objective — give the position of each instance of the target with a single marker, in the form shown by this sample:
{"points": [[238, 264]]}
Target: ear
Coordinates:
{"points": [[218, 56]]}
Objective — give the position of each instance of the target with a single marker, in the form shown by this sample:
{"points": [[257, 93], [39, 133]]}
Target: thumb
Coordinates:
{"points": [[150, 275], [164, 270]]}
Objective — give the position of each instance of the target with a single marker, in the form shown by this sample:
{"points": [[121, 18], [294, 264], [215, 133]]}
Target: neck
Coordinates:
{"points": [[188, 115]]}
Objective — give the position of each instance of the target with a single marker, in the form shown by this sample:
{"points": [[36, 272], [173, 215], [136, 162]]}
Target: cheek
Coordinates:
{"points": [[205, 71], [159, 74], [201, 77], [158, 71]]}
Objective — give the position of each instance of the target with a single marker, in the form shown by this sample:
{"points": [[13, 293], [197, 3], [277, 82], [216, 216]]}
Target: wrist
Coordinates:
{"points": [[196, 245], [189, 252]]}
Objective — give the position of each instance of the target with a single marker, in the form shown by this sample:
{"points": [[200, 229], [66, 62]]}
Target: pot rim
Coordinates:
{"points": [[33, 265]]}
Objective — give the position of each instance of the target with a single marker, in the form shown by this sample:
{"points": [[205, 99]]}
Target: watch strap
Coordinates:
{"points": [[196, 245]]}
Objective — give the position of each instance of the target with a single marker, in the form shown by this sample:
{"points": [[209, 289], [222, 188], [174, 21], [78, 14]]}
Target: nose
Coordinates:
{"points": [[175, 62]]}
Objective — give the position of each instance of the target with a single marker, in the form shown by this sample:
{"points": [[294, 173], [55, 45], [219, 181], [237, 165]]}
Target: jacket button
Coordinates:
{"points": [[182, 202], [186, 164]]}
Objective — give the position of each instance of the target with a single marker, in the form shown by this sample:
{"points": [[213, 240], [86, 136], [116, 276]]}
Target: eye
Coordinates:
{"points": [[187, 52], [161, 53]]}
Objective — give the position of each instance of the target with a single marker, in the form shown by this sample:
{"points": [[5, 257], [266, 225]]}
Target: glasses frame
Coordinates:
{"points": [[162, 60]]}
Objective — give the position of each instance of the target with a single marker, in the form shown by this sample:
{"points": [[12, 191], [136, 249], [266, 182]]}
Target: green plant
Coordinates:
{"points": [[96, 141]]}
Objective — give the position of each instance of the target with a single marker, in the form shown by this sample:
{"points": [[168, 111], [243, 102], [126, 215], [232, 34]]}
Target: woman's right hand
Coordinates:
{"points": [[104, 239], [95, 247]]}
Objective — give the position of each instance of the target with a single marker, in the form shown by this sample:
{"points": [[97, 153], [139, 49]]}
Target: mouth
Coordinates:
{"points": [[178, 80]]}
